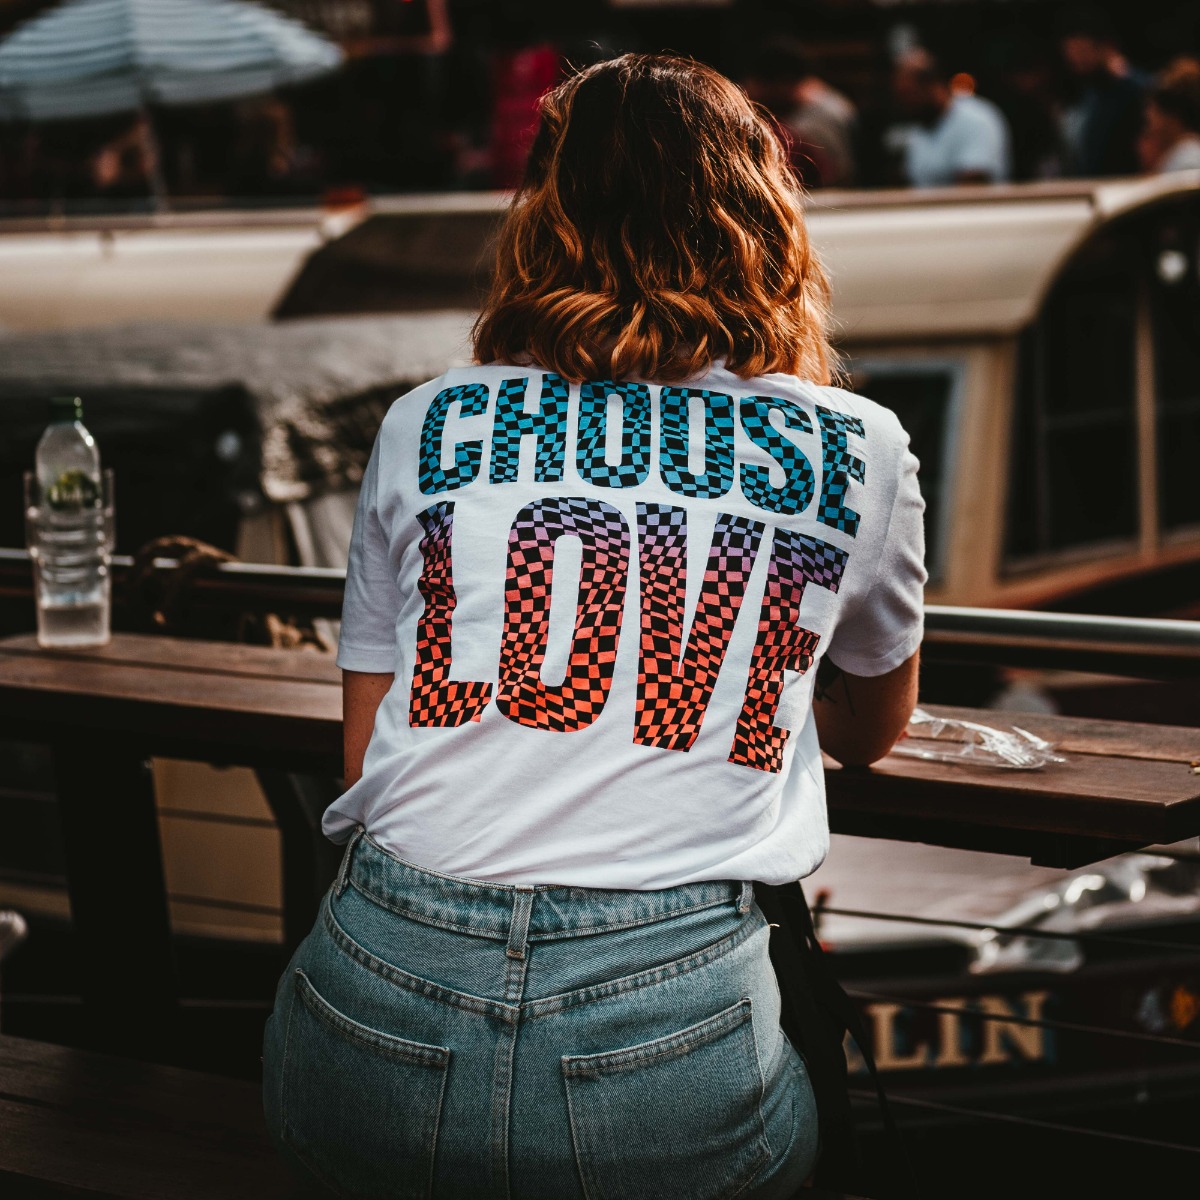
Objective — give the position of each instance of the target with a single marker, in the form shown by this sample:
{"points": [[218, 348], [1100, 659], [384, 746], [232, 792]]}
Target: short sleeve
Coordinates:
{"points": [[882, 627], [372, 600]]}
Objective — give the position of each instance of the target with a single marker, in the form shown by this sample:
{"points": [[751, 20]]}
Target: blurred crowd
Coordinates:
{"points": [[1067, 100], [1078, 108]]}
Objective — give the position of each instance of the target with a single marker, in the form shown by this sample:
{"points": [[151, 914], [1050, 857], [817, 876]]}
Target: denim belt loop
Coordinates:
{"points": [[747, 897], [343, 877], [518, 931]]}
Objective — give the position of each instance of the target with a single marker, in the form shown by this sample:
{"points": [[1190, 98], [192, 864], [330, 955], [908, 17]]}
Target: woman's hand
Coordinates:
{"points": [[859, 718], [362, 694]]}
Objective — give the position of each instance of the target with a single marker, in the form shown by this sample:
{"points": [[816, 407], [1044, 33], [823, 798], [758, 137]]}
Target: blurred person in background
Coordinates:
{"points": [[954, 135], [268, 157], [817, 122], [520, 77], [124, 166], [1027, 96], [1103, 127], [1171, 136]]}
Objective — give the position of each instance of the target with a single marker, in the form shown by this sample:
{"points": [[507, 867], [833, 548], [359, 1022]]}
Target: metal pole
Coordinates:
{"points": [[152, 151]]}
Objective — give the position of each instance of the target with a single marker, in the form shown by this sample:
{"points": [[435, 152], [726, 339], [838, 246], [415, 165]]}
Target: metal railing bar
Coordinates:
{"points": [[15, 558], [1134, 646], [1030, 1122], [943, 623], [1022, 930], [1034, 1023], [1003, 626], [226, 585]]}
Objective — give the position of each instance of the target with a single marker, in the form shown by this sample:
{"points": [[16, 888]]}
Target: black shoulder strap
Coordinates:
{"points": [[816, 1015]]}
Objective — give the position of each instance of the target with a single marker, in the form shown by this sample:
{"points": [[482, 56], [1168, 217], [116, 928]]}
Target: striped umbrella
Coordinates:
{"points": [[90, 58]]}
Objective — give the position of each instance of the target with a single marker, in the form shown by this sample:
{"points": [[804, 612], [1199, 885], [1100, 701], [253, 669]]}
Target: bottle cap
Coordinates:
{"points": [[66, 408]]}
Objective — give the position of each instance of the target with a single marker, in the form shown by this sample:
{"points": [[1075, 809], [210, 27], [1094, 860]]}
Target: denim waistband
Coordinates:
{"points": [[517, 913]]}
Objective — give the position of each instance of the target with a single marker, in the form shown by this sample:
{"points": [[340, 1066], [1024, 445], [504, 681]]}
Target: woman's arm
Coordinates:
{"points": [[362, 694], [858, 717]]}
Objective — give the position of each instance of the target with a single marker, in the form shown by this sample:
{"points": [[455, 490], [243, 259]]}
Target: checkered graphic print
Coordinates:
{"points": [[548, 424], [837, 464], [593, 434], [676, 437], [672, 696], [782, 645], [799, 480], [522, 696], [436, 700], [473, 397]]}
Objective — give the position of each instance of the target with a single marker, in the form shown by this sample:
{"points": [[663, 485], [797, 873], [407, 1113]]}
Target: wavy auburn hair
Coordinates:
{"points": [[658, 227]]}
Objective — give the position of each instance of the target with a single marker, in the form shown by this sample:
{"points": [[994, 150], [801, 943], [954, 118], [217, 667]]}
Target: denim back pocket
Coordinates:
{"points": [[360, 1108], [679, 1116]]}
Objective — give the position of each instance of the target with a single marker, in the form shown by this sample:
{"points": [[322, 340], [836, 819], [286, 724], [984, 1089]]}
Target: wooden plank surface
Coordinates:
{"points": [[225, 658], [116, 1127], [1122, 799], [180, 691], [98, 680], [1122, 781]]}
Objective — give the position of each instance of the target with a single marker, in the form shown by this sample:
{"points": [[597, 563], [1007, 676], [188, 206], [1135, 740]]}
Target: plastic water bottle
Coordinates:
{"points": [[69, 525]]}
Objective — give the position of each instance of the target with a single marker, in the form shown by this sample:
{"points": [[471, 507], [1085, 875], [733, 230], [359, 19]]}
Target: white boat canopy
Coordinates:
{"points": [[962, 262], [906, 266]]}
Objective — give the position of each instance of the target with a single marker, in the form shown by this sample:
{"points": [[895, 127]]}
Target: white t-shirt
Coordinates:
{"points": [[603, 604], [1184, 155], [972, 136]]}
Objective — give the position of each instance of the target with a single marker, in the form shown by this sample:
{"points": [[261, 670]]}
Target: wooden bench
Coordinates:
{"points": [[73, 1123], [77, 1124]]}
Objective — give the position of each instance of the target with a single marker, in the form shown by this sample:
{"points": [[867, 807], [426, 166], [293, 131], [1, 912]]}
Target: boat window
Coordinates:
{"points": [[923, 394], [1073, 471], [1175, 313]]}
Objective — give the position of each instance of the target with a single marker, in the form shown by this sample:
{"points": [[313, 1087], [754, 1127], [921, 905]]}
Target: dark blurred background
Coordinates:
{"points": [[438, 94]]}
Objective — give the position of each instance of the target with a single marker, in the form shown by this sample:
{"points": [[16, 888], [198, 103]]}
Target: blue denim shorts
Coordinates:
{"points": [[438, 1037]]}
